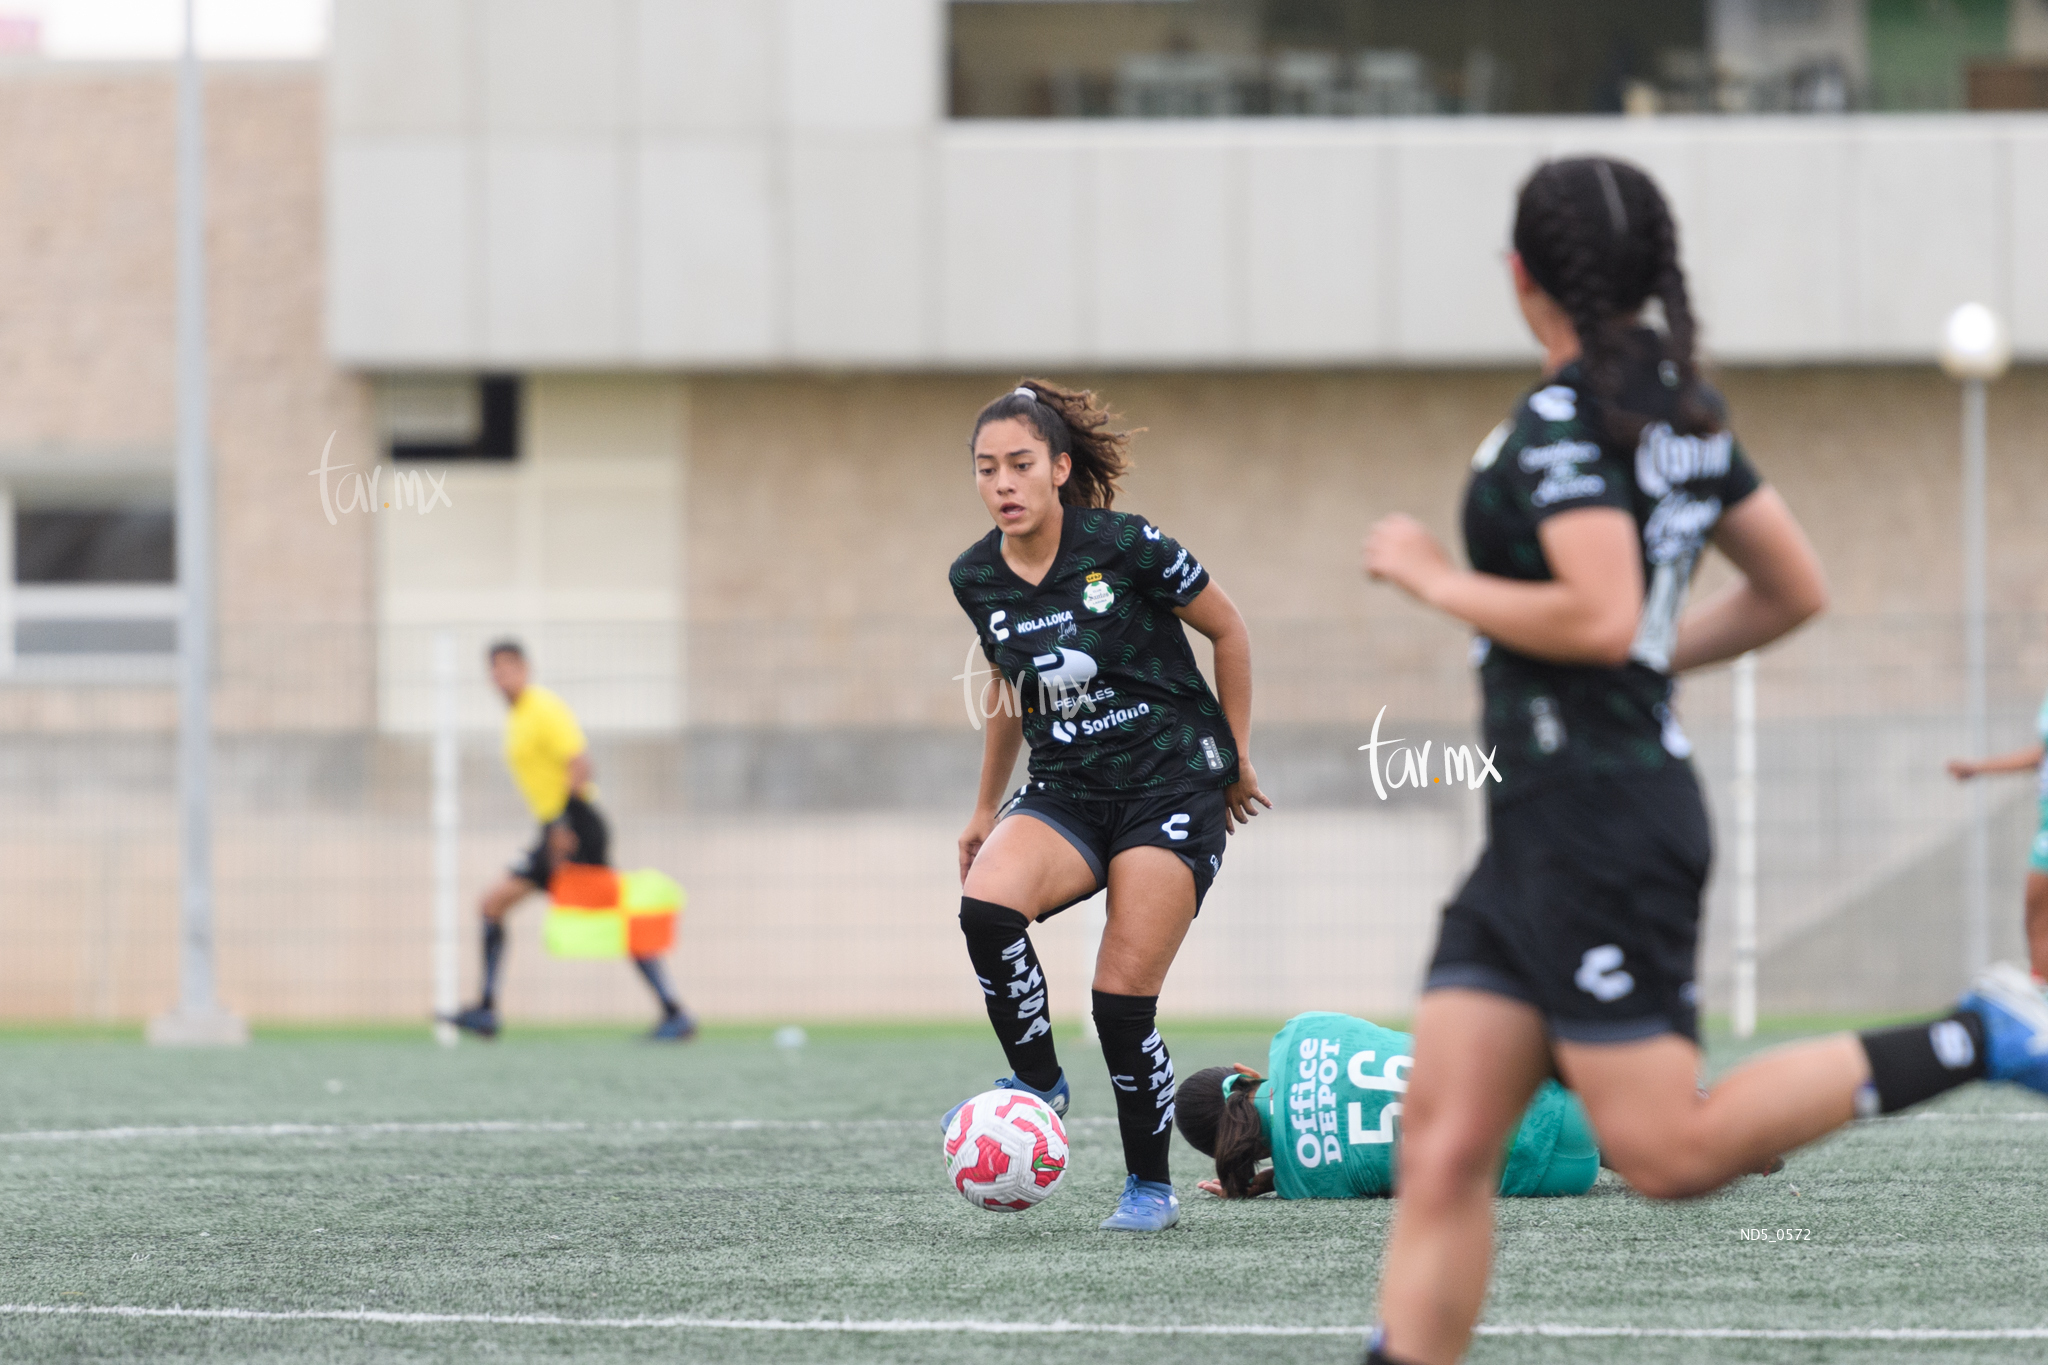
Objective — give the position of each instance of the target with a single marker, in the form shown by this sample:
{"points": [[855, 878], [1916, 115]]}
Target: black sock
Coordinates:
{"points": [[494, 952], [999, 946], [1143, 1076], [1911, 1065], [650, 967]]}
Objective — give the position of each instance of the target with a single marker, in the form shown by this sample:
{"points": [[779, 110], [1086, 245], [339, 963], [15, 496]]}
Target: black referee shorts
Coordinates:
{"points": [[1191, 825], [1586, 905], [593, 843]]}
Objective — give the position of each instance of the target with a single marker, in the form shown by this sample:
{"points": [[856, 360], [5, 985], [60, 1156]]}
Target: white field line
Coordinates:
{"points": [[899, 1326], [514, 1126], [347, 1130]]}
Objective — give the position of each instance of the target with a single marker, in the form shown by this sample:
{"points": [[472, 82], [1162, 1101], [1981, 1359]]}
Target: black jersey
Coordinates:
{"points": [[1112, 701], [1551, 721]]}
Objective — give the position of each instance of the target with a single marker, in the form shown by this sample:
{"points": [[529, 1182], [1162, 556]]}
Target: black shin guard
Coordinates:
{"points": [[1143, 1076], [1911, 1065], [657, 981], [494, 953], [999, 945]]}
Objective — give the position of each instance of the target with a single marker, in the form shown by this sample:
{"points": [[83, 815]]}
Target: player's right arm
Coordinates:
{"points": [[1001, 738], [2018, 761]]}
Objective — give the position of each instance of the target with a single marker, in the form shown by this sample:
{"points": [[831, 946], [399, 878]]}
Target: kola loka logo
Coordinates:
{"points": [[1462, 763]]}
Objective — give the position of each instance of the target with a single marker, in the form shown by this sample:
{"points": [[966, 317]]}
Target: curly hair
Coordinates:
{"points": [[1074, 423], [1227, 1129], [1597, 236]]}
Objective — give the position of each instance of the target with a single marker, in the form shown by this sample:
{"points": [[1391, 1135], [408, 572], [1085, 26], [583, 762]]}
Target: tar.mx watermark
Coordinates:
{"points": [[1408, 766], [1066, 687], [421, 490]]}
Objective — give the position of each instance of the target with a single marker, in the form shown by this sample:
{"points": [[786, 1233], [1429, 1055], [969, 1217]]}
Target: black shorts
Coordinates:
{"points": [[593, 843], [1586, 905], [1190, 824]]}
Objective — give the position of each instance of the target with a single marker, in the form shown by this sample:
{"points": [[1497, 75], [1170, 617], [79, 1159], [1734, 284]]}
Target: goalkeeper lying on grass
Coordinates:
{"points": [[1327, 1119]]}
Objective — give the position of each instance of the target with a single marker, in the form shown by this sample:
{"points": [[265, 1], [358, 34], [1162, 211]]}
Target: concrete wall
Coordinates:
{"points": [[86, 360], [691, 183]]}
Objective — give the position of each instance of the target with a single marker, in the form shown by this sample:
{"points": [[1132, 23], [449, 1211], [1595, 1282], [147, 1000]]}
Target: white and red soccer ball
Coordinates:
{"points": [[1005, 1150]]}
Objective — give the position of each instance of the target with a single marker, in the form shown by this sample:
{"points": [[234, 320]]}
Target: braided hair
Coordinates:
{"points": [[1074, 423], [1596, 235]]}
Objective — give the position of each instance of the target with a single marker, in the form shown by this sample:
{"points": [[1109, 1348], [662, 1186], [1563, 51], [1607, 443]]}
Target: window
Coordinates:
{"points": [[93, 581], [450, 417], [1379, 58]]}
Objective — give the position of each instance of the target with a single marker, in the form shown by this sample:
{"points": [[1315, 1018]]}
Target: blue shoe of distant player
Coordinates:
{"points": [[2015, 1019], [1055, 1098], [1146, 1206], [481, 1020], [677, 1028]]}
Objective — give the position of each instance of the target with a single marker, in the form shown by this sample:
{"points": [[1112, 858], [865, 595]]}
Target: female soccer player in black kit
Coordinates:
{"points": [[1138, 770], [1571, 945]]}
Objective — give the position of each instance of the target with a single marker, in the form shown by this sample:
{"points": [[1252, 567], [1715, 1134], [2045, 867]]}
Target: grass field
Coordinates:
{"points": [[611, 1189]]}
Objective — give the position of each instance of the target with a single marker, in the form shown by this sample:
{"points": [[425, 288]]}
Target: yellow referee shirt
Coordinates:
{"points": [[541, 736]]}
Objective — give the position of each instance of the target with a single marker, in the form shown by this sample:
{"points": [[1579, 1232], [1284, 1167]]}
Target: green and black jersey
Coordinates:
{"points": [[1553, 721], [1112, 702]]}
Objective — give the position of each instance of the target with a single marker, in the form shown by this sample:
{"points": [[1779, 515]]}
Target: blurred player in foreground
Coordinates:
{"points": [[2034, 759], [549, 759], [1572, 943], [1327, 1119], [1138, 771]]}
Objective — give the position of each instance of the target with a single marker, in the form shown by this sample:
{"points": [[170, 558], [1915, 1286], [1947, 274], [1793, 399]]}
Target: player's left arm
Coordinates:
{"points": [[1216, 616], [1782, 584], [579, 771], [1262, 1183]]}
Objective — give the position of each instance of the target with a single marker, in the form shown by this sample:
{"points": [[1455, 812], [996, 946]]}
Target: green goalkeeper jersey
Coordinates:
{"points": [[1334, 1098]]}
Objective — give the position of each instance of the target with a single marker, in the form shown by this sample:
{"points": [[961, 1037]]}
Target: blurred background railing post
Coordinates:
{"points": [[1742, 679], [199, 1017], [1975, 350], [447, 836]]}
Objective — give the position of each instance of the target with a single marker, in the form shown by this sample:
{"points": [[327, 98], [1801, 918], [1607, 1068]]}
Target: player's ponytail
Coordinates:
{"points": [[1073, 422], [1227, 1129], [1598, 237]]}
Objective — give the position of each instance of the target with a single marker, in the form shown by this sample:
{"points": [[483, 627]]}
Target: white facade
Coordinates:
{"points": [[700, 184]]}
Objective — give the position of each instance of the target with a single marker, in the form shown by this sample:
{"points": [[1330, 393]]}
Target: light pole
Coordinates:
{"points": [[199, 1017], [1975, 350]]}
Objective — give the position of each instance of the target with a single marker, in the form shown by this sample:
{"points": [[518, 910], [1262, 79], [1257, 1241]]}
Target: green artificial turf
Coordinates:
{"points": [[631, 1193]]}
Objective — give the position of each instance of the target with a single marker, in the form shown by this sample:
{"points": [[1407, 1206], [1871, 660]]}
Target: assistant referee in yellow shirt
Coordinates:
{"points": [[550, 760]]}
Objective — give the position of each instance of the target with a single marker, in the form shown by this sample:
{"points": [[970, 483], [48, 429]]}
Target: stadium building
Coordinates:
{"points": [[651, 332]]}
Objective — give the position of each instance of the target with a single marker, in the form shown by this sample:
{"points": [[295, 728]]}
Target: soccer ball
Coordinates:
{"points": [[1005, 1150]]}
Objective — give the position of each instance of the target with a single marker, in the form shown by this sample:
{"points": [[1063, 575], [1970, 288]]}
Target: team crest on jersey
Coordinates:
{"points": [[1097, 596]]}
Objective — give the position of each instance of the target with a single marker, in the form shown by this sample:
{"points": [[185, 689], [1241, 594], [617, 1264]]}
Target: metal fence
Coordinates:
{"points": [[811, 799]]}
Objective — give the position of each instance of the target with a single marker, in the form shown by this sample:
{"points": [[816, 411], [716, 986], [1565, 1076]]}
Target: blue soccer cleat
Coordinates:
{"points": [[677, 1028], [2015, 1019], [1146, 1206], [1055, 1098], [481, 1020]]}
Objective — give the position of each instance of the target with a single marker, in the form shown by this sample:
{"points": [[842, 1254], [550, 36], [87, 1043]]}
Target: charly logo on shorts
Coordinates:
{"points": [[1600, 974]]}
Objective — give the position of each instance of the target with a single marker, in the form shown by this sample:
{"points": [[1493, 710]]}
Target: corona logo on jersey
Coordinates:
{"points": [[596, 912]]}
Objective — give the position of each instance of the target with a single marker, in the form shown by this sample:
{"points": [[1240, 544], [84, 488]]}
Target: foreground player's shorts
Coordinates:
{"points": [[1190, 825], [1586, 905]]}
